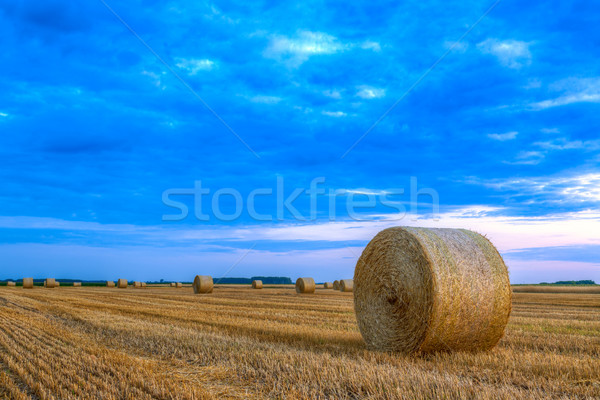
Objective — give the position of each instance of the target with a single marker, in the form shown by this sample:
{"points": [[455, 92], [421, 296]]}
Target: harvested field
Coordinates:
{"points": [[273, 343]]}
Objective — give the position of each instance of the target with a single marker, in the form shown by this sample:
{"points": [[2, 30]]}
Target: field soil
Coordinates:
{"points": [[167, 343]]}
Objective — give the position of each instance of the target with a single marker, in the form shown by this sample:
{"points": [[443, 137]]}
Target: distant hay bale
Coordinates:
{"points": [[173, 284], [122, 284], [346, 285], [49, 283], [76, 284], [56, 283], [257, 284], [143, 284], [137, 284], [328, 285], [203, 284], [179, 285], [27, 283], [425, 290], [11, 283], [110, 284], [305, 285], [336, 285]]}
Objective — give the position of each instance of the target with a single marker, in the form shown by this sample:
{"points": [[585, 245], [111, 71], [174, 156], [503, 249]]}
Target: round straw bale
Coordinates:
{"points": [[203, 284], [336, 285], [328, 285], [137, 284], [56, 284], [305, 285], [27, 283], [10, 283], [76, 284], [179, 285], [143, 284], [172, 284], [110, 284], [122, 283], [49, 283], [256, 284], [425, 290], [346, 285]]}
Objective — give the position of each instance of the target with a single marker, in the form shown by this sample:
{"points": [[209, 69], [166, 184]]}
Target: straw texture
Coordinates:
{"points": [[173, 284], [122, 283], [305, 285], [137, 284], [49, 283], [179, 285], [257, 284], [27, 283], [346, 285], [336, 285], [328, 285], [425, 290], [203, 284], [110, 284]]}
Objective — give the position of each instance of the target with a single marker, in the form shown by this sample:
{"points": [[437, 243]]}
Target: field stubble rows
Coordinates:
{"points": [[273, 343]]}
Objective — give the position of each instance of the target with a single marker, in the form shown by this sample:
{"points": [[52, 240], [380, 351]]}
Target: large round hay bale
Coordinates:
{"points": [[203, 284], [172, 284], [328, 285], [27, 283], [256, 284], [110, 284], [50, 283], [178, 285], [336, 285], [76, 284], [346, 285], [10, 283], [305, 285], [122, 284], [419, 289]]}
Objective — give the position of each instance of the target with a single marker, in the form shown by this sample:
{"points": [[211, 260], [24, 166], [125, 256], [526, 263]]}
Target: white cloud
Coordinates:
{"points": [[574, 90], [565, 144], [334, 94], [369, 92], [265, 99], [510, 53], [527, 158], [194, 65], [335, 114], [368, 45], [3, 114], [503, 136]]}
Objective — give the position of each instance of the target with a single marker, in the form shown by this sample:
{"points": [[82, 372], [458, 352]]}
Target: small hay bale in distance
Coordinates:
{"points": [[172, 284], [76, 284], [305, 285], [426, 290], [336, 285], [143, 284], [137, 284], [10, 283], [328, 285], [27, 283], [257, 284], [56, 284], [346, 285], [49, 283], [122, 284], [110, 284], [203, 284], [178, 285]]}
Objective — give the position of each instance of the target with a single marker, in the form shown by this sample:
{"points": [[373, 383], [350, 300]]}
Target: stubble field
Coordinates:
{"points": [[238, 342]]}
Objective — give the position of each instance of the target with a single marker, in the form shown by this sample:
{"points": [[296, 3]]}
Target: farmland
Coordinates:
{"points": [[237, 342]]}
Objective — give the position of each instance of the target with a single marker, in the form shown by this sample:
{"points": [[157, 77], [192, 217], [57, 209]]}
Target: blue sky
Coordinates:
{"points": [[94, 128]]}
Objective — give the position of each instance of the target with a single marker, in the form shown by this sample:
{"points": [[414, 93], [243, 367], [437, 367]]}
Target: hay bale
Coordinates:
{"points": [[328, 285], [110, 284], [56, 284], [27, 283], [203, 284], [424, 290], [305, 285], [11, 284], [346, 285], [49, 283], [257, 284], [122, 283], [173, 284], [76, 284], [179, 285], [336, 285], [137, 284], [144, 284]]}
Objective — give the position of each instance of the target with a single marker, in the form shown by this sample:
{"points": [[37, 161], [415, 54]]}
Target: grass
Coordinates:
{"points": [[273, 343]]}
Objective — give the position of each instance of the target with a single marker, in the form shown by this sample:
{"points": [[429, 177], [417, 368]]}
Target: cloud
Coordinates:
{"points": [[334, 94], [265, 99], [566, 144], [503, 136], [369, 45], [510, 53], [335, 114], [305, 44], [193, 65], [3, 114], [574, 90], [527, 158], [550, 130], [369, 92]]}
